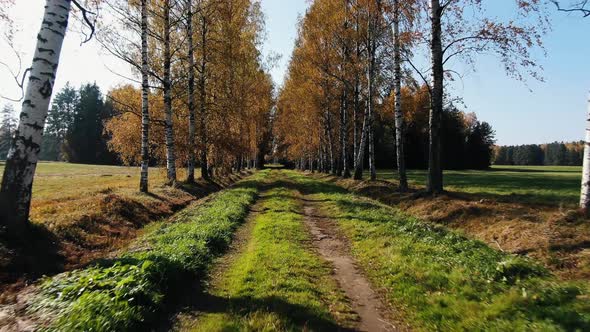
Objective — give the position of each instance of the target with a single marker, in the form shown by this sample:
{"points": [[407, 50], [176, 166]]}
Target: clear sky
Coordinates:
{"points": [[554, 110]]}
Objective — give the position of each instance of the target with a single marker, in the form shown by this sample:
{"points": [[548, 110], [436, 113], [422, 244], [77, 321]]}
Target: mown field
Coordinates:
{"points": [[552, 185], [526, 184], [55, 180]]}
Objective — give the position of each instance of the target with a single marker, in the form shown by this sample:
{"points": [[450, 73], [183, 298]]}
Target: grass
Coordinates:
{"points": [[128, 293], [440, 280], [82, 212], [57, 180], [278, 283], [552, 185], [61, 190]]}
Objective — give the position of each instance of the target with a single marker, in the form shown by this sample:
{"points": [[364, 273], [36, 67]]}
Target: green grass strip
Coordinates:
{"points": [[128, 293], [278, 283], [440, 280]]}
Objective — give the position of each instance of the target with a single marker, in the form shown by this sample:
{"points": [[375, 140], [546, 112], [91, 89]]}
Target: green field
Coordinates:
{"points": [[57, 180], [526, 184], [553, 185]]}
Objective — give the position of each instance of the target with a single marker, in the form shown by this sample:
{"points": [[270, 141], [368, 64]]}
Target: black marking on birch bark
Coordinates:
{"points": [[34, 78], [29, 144], [50, 74], [29, 103], [46, 89], [63, 7], [43, 60], [57, 32], [63, 24], [46, 50], [41, 39], [24, 115], [51, 14], [48, 23], [34, 126]]}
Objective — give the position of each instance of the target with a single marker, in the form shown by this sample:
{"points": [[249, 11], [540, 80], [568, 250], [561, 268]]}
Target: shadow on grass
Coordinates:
{"points": [[296, 316], [31, 256]]}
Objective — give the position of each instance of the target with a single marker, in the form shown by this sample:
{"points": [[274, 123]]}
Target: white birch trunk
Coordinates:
{"points": [[399, 120], [145, 114], [585, 194], [191, 95], [17, 182], [170, 151]]}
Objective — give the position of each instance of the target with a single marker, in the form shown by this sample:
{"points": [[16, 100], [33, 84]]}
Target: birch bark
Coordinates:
{"points": [[585, 194], [435, 175], [170, 151], [399, 120], [145, 114], [191, 94], [17, 182]]}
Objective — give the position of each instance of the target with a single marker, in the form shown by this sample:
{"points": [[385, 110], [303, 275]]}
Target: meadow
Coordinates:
{"points": [[551, 185]]}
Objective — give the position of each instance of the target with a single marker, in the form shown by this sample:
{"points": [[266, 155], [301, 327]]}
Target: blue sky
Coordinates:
{"points": [[281, 25], [553, 111]]}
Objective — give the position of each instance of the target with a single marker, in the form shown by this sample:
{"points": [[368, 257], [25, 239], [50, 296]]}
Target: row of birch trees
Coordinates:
{"points": [[203, 97], [352, 56], [205, 90]]}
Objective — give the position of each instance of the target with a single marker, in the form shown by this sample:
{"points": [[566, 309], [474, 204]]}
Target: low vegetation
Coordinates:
{"points": [[128, 292], [441, 280], [278, 283], [82, 212]]}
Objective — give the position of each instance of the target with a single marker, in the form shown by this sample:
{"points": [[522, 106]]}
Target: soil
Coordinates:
{"points": [[333, 248]]}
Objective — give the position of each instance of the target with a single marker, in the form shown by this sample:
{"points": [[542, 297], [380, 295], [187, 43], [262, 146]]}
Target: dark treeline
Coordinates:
{"points": [[74, 131], [467, 143], [553, 154]]}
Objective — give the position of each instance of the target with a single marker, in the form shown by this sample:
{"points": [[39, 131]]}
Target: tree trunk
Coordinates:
{"points": [[370, 81], [145, 89], [360, 157], [585, 195], [397, 87], [170, 153], [203, 101], [343, 136], [17, 182], [435, 173], [191, 95]]}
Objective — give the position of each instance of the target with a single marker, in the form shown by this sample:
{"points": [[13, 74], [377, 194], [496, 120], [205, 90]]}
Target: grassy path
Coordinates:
{"points": [[333, 248], [275, 281]]}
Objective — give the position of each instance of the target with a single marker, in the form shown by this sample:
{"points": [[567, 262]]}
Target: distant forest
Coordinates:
{"points": [[552, 154]]}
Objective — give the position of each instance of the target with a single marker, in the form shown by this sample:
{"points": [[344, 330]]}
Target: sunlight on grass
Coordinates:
{"points": [[526, 184], [440, 280], [279, 283]]}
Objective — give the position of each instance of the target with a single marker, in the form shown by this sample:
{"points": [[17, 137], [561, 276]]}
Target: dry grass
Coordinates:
{"points": [[82, 212], [555, 234]]}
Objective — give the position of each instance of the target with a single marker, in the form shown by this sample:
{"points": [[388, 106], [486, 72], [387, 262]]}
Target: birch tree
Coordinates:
{"points": [[145, 90], [17, 182], [397, 87], [191, 92], [453, 36], [167, 86], [585, 194]]}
